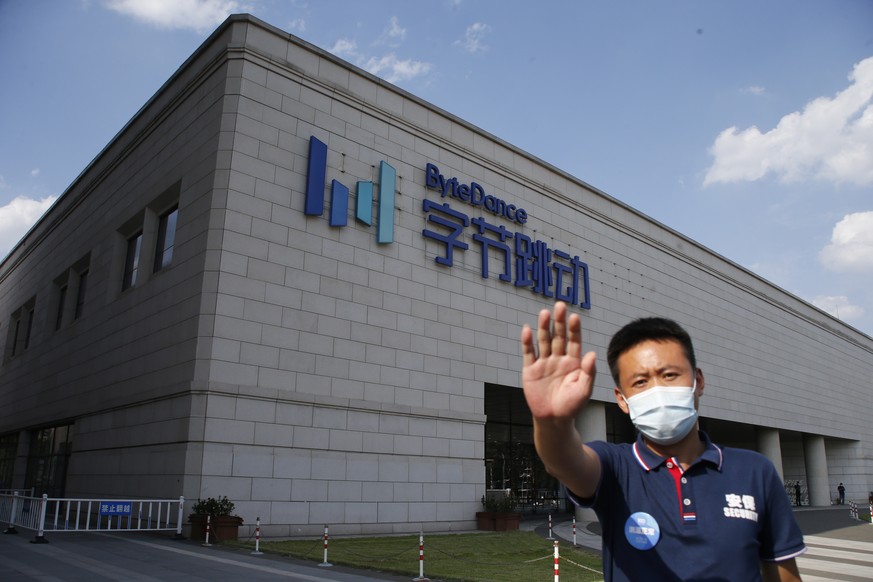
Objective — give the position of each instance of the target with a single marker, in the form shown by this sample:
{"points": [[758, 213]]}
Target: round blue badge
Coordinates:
{"points": [[642, 531]]}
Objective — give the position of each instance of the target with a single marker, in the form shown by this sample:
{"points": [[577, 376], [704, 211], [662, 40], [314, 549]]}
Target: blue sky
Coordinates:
{"points": [[744, 125]]}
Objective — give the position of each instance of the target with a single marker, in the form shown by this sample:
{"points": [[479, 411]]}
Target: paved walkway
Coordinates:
{"points": [[839, 547]]}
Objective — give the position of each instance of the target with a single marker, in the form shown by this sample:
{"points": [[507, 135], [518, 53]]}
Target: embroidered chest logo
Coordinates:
{"points": [[742, 506]]}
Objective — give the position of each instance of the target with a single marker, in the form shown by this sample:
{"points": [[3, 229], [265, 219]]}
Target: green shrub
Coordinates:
{"points": [[213, 506]]}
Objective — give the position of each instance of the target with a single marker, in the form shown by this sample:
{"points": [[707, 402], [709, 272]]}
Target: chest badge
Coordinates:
{"points": [[642, 531]]}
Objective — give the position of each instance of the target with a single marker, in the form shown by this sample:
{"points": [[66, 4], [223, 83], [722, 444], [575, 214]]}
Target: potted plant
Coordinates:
{"points": [[485, 519], [506, 517], [223, 525], [499, 511]]}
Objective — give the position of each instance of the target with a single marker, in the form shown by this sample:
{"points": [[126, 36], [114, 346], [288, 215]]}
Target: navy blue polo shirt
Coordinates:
{"points": [[716, 520]]}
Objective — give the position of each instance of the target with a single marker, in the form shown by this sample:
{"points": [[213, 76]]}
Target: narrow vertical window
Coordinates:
{"points": [[131, 264], [62, 298], [15, 335], [166, 238], [29, 328], [80, 296]]}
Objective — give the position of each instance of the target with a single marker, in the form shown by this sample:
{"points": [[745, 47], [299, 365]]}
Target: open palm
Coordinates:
{"points": [[556, 378]]}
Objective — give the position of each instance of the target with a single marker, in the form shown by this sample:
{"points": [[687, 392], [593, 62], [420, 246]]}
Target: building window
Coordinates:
{"points": [[131, 264], [62, 298], [166, 238], [8, 449], [16, 326], [80, 296], [48, 459], [70, 292], [28, 330], [146, 242], [21, 328]]}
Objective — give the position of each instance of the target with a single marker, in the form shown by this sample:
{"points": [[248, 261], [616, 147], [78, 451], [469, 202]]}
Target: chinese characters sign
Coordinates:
{"points": [[115, 507]]}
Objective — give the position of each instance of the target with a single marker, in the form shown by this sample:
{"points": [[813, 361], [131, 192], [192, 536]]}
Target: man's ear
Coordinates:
{"points": [[701, 383], [619, 399]]}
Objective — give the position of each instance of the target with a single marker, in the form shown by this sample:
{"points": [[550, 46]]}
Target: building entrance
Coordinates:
{"points": [[512, 467]]}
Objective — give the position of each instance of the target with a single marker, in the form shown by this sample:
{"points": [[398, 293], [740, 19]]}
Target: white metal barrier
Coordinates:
{"points": [[46, 514], [18, 491], [19, 510]]}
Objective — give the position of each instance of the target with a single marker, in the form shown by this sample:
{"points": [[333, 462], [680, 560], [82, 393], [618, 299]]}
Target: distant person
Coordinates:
{"points": [[797, 494], [673, 506], [841, 491]]}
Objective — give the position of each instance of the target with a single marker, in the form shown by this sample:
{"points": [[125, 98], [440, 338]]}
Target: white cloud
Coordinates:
{"points": [[473, 37], [389, 66], [297, 24], [344, 47], [199, 15], [393, 34], [838, 306], [34, 172], [17, 217], [851, 246], [394, 70], [831, 139], [754, 90]]}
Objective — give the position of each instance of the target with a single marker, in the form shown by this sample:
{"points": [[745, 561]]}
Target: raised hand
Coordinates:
{"points": [[556, 378]]}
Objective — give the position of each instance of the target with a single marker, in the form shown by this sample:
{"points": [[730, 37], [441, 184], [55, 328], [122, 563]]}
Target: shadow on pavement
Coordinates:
{"points": [[834, 522]]}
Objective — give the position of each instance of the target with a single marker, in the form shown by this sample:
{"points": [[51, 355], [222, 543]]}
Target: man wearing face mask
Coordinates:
{"points": [[673, 506]]}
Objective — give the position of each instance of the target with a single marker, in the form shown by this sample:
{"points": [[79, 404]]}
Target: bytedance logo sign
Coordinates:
{"points": [[526, 262], [339, 195]]}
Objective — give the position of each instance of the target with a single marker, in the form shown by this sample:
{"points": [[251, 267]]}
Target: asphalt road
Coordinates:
{"points": [[137, 557]]}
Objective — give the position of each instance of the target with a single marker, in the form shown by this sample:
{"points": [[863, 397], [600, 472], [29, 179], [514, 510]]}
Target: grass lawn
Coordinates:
{"points": [[506, 556]]}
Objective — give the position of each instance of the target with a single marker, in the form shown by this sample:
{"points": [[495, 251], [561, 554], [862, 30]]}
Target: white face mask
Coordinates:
{"points": [[664, 414]]}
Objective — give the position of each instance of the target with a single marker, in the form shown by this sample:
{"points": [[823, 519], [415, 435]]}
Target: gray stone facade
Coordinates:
{"points": [[316, 376]]}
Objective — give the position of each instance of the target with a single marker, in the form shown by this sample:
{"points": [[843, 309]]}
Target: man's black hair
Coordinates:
{"points": [[644, 329]]}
